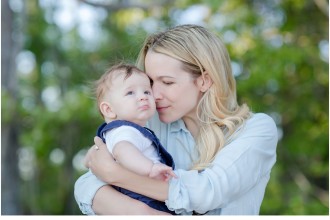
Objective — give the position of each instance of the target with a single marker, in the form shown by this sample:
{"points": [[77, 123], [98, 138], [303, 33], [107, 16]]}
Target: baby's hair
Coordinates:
{"points": [[104, 83]]}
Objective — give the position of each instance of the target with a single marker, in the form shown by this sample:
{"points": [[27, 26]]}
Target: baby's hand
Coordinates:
{"points": [[160, 171]]}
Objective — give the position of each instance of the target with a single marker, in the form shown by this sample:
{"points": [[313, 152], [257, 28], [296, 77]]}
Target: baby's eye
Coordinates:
{"points": [[147, 92], [129, 93]]}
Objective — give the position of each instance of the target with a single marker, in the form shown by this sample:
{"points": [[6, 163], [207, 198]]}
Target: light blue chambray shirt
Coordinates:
{"points": [[235, 183]]}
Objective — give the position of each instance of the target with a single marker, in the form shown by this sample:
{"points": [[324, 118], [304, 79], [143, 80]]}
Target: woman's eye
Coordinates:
{"points": [[167, 83]]}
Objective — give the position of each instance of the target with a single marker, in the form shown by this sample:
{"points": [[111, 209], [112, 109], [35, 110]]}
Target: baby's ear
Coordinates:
{"points": [[204, 82], [106, 110]]}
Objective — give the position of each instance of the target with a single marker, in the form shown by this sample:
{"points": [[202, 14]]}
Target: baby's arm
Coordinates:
{"points": [[160, 171], [132, 158]]}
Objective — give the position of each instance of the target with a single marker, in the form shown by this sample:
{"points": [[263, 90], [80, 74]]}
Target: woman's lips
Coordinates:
{"points": [[161, 109]]}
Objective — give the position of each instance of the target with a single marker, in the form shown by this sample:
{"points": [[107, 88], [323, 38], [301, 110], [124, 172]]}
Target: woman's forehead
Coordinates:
{"points": [[161, 65]]}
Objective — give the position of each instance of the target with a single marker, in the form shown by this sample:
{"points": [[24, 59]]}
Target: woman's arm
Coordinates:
{"points": [[105, 168], [109, 201], [105, 200], [95, 196]]}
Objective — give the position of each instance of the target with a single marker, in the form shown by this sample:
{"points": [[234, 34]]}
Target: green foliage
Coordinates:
{"points": [[282, 74]]}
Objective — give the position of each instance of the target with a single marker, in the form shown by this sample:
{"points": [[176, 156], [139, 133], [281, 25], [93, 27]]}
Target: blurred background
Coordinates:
{"points": [[52, 50]]}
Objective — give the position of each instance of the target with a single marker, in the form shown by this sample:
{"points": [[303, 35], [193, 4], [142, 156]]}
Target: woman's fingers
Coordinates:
{"points": [[98, 142], [88, 155], [100, 161]]}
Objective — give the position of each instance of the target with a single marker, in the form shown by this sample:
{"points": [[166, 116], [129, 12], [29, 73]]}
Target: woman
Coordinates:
{"points": [[223, 152]]}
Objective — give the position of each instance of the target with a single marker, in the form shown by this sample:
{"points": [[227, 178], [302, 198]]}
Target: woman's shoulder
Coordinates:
{"points": [[260, 124], [261, 120]]}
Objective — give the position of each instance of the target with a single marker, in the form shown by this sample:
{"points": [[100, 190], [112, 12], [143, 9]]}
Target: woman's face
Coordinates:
{"points": [[175, 91]]}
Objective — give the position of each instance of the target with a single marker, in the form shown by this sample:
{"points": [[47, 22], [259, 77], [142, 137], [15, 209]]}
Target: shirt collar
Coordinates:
{"points": [[177, 126]]}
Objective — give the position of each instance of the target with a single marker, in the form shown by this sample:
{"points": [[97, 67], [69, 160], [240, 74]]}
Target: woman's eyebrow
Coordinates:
{"points": [[162, 77]]}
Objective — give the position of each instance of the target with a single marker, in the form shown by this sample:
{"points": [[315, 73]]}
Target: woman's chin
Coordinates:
{"points": [[167, 120]]}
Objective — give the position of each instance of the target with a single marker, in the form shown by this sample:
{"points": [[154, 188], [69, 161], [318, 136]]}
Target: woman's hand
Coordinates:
{"points": [[101, 162]]}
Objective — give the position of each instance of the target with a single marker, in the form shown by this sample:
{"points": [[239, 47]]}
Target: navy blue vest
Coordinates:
{"points": [[165, 158]]}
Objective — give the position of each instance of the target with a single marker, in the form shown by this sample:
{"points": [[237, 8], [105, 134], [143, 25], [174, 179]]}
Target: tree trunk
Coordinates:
{"points": [[10, 201]]}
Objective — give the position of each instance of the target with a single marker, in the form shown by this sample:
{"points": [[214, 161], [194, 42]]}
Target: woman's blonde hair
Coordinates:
{"points": [[200, 52]]}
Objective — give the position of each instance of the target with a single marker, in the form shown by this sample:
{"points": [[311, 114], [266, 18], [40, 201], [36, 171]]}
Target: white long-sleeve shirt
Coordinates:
{"points": [[235, 183]]}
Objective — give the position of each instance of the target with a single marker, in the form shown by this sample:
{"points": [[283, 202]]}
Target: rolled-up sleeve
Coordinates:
{"points": [[85, 189], [237, 169]]}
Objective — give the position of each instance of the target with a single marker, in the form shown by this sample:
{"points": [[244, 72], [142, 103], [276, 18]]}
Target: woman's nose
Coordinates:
{"points": [[156, 92]]}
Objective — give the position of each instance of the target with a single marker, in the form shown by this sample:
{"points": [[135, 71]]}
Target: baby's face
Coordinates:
{"points": [[131, 99]]}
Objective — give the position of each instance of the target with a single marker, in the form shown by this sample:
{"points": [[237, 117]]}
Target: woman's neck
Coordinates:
{"points": [[192, 125]]}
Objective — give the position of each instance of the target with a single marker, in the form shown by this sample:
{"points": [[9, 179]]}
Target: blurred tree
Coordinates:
{"points": [[280, 59], [9, 123]]}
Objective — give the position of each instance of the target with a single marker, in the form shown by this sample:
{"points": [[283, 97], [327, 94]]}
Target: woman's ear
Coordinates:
{"points": [[204, 82], [106, 110]]}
